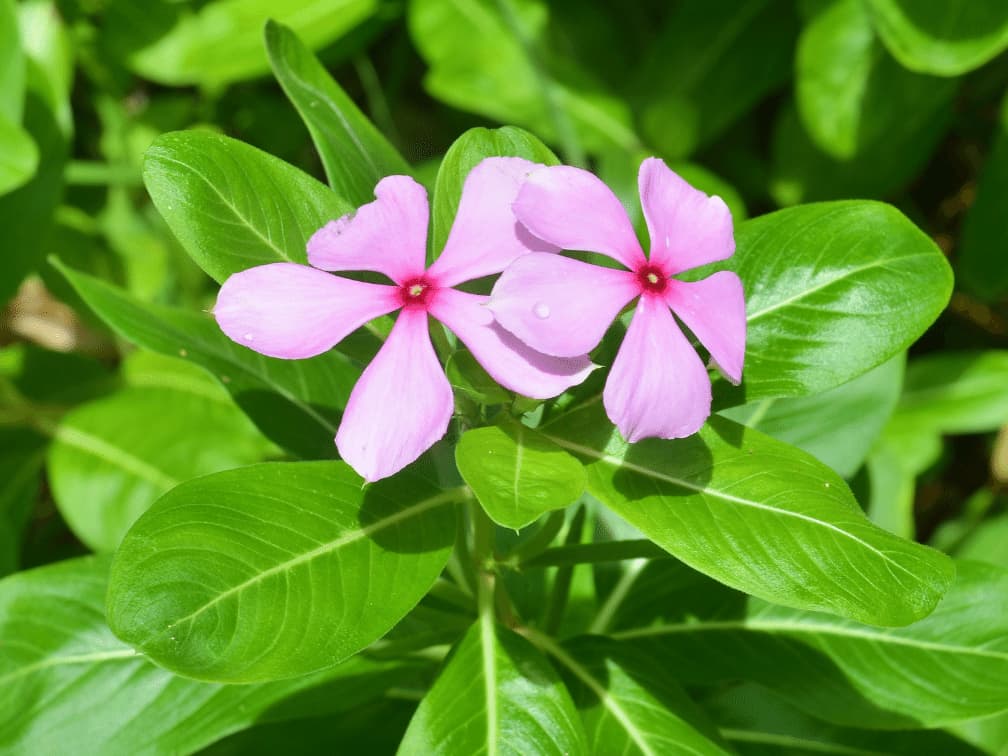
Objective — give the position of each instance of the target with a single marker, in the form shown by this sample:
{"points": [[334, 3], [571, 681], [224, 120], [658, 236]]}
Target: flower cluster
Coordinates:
{"points": [[546, 312]]}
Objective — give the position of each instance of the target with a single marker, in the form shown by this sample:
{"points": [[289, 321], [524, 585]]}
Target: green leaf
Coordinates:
{"points": [[12, 64], [64, 678], [277, 570], [469, 377], [758, 515], [113, 457], [986, 543], [296, 403], [851, 674], [838, 426], [516, 474], [464, 154], [496, 694], [49, 54], [833, 290], [218, 42], [939, 37], [233, 206], [354, 153], [628, 704], [850, 93], [21, 466], [18, 156]]}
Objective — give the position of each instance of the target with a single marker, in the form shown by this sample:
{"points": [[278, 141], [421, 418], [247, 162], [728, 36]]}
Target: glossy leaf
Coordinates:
{"points": [[838, 426], [939, 37], [496, 695], [758, 515], [516, 474], [219, 42], [354, 153], [294, 403], [18, 156], [851, 674], [276, 570], [833, 290], [464, 154], [64, 678], [233, 206], [112, 458]]}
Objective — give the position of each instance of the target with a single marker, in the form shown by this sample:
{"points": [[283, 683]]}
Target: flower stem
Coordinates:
{"points": [[562, 582]]}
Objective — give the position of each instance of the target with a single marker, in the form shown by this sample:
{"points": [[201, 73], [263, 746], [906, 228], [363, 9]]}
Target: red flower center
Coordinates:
{"points": [[416, 292], [652, 279]]}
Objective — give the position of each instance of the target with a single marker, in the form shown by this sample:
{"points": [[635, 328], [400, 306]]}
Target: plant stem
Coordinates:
{"points": [[562, 582], [592, 553], [615, 598]]}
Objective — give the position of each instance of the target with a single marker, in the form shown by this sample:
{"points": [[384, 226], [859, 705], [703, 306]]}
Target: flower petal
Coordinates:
{"points": [[573, 209], [560, 306], [714, 309], [657, 385], [293, 311], [511, 363], [687, 227], [388, 235], [485, 237], [400, 406]]}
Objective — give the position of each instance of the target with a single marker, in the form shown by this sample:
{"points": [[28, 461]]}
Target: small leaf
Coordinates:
{"points": [[516, 474], [469, 377], [18, 156], [21, 465], [276, 570], [233, 206], [496, 695], [354, 153]]}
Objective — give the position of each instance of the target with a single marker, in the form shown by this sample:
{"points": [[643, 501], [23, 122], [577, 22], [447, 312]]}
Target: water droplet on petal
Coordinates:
{"points": [[668, 241], [248, 337], [541, 310]]}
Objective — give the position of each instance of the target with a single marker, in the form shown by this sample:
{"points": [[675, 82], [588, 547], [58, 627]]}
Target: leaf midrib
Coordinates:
{"points": [[59, 661]]}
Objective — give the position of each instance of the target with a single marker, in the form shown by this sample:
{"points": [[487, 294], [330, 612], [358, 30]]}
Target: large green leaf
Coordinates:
{"points": [[850, 93], [516, 474], [218, 42], [12, 64], [233, 206], [948, 667], [18, 156], [354, 153], [296, 403], [838, 426], [496, 695], [277, 570], [832, 290], [758, 515], [65, 679], [942, 37], [113, 457]]}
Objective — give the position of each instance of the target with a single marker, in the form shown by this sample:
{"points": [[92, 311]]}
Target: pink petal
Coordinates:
{"points": [[485, 236], [560, 306], [400, 406], [657, 385], [293, 311], [714, 309], [687, 227], [511, 363], [388, 235], [573, 209]]}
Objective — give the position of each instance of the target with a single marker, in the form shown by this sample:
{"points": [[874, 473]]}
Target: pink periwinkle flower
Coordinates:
{"points": [[658, 385], [402, 403]]}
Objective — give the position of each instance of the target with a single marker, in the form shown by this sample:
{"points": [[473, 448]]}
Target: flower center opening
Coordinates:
{"points": [[652, 279], [416, 292]]}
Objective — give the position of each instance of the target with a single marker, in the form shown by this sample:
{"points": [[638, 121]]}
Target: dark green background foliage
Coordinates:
{"points": [[188, 568]]}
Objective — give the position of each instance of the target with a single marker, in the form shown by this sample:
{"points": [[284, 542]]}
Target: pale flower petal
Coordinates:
{"points": [[401, 405], [485, 237], [714, 310], [387, 236], [511, 363], [560, 306], [573, 209], [657, 386], [687, 227], [293, 311]]}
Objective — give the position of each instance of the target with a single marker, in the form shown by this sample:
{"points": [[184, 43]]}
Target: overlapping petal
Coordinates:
{"points": [[509, 361], [558, 305], [687, 227], [293, 311], [714, 310], [387, 236], [657, 385], [573, 209], [400, 406], [485, 237]]}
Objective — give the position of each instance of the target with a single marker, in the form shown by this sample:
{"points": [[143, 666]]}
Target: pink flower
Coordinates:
{"points": [[402, 403], [657, 386]]}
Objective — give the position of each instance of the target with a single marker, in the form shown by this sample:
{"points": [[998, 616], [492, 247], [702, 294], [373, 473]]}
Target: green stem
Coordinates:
{"points": [[562, 582], [616, 597], [375, 94], [539, 542], [593, 553], [95, 173]]}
